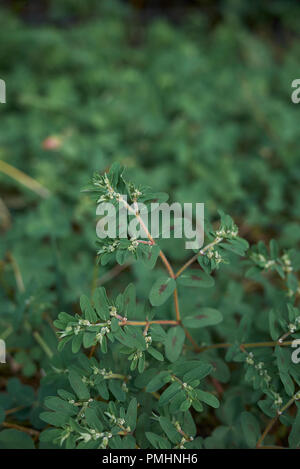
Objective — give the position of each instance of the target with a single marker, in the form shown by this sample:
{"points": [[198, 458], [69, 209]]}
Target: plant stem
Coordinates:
{"points": [[124, 322], [247, 345], [114, 272], [176, 304], [161, 254], [274, 420], [6, 333], [43, 344], [31, 431], [167, 264], [197, 349], [15, 409], [91, 354], [142, 224], [17, 273], [145, 323], [115, 376], [22, 178], [199, 253]]}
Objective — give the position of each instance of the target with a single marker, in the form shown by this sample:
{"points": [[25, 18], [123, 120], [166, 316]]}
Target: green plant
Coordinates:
{"points": [[201, 107], [147, 387]]}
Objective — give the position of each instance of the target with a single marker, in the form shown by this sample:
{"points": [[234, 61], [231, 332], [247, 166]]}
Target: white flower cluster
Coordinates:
{"points": [[297, 396], [103, 331], [215, 255], [136, 194], [287, 263], [134, 244], [113, 311], [260, 367], [148, 340], [278, 399], [223, 233], [262, 261], [109, 247], [94, 435], [185, 438], [100, 371], [110, 194], [115, 420], [293, 327], [87, 381], [137, 355], [125, 387], [82, 325]]}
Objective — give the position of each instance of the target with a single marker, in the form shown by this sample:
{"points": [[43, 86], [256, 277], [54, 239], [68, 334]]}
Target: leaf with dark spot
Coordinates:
{"points": [[196, 278], [129, 300], [204, 317], [161, 290], [174, 343]]}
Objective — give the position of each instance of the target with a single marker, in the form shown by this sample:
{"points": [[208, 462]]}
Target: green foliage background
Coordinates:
{"points": [[199, 108]]}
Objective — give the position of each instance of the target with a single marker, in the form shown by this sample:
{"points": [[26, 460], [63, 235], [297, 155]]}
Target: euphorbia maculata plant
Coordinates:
{"points": [[148, 375]]}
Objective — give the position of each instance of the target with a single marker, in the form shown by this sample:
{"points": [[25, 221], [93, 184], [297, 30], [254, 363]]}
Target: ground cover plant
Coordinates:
{"points": [[123, 344]]}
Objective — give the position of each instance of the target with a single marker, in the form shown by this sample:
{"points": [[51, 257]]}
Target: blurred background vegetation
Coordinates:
{"points": [[193, 97]]}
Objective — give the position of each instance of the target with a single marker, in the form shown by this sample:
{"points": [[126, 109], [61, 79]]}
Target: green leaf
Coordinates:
{"points": [[78, 386], [89, 339], [102, 390], [238, 246], [87, 309], [131, 414], [158, 441], [149, 255], [196, 278], [294, 436], [174, 343], [122, 255], [59, 405], [200, 372], [208, 398], [250, 427], [158, 381], [56, 419], [273, 325], [129, 297], [155, 354], [115, 387], [157, 333], [169, 393], [92, 418], [204, 317], [141, 363], [15, 439], [101, 303], [169, 430], [161, 290], [77, 342]]}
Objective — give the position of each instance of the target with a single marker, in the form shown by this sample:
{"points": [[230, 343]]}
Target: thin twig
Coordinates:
{"points": [[114, 272], [161, 254], [15, 409], [17, 272], [31, 431], [246, 345], [5, 215], [43, 344], [145, 323], [22, 178], [199, 253], [274, 420]]}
